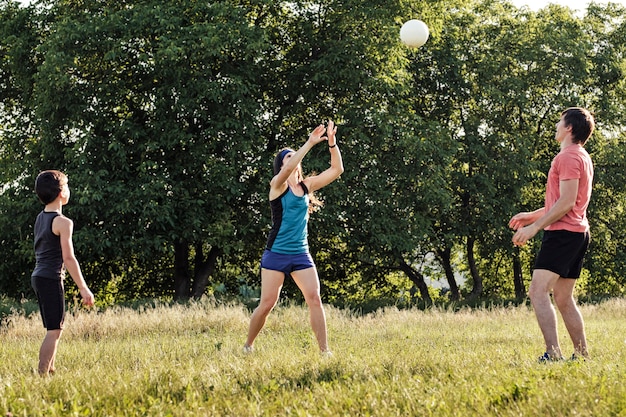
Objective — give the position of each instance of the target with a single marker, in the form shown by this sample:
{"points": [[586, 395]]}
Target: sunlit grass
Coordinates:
{"points": [[187, 360]]}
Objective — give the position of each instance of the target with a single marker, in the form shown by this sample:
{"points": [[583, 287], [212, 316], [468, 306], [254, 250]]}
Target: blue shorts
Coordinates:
{"points": [[51, 298], [286, 263], [562, 252]]}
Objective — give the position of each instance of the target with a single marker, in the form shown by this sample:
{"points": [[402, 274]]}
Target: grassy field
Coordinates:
{"points": [[187, 361]]}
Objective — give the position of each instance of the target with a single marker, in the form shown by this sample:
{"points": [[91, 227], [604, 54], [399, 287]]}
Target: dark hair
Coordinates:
{"points": [[314, 202], [278, 160], [49, 184], [581, 121]]}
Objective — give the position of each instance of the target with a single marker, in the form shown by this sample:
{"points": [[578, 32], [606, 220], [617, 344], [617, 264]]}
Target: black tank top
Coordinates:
{"points": [[48, 254]]}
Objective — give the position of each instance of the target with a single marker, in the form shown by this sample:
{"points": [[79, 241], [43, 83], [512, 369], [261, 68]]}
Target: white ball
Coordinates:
{"points": [[414, 33]]}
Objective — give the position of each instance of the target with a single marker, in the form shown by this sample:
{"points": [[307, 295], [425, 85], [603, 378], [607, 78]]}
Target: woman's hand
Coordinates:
{"points": [[331, 131], [316, 135]]}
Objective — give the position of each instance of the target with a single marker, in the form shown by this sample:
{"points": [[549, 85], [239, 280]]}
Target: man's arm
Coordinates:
{"points": [[568, 190]]}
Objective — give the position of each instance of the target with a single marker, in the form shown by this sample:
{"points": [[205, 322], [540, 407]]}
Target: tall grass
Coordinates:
{"points": [[187, 360]]}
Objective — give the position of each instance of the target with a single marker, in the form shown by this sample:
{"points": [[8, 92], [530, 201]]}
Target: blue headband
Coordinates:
{"points": [[283, 153]]}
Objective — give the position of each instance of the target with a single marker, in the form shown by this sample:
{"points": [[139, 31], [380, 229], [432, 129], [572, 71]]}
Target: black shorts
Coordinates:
{"points": [[51, 298], [562, 252]]}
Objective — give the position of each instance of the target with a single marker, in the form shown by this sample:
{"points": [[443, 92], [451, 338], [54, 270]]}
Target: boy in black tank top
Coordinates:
{"points": [[54, 254]]}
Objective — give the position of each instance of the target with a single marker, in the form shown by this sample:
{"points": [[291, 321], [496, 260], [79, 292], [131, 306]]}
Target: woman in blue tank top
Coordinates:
{"points": [[287, 251]]}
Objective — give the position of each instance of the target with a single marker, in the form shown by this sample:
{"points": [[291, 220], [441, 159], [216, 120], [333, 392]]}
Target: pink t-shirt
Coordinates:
{"points": [[573, 162]]}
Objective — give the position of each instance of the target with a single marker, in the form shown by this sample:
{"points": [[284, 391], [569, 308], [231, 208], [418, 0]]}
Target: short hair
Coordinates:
{"points": [[49, 184], [581, 121]]}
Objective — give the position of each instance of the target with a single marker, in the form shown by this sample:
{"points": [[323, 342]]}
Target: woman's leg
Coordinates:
{"points": [[309, 283], [271, 284]]}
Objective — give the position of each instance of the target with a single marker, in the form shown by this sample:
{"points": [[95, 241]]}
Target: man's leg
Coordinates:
{"points": [[573, 319], [541, 285]]}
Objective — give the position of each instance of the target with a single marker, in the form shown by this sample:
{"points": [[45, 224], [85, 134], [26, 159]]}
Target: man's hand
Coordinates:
{"points": [[524, 234]]}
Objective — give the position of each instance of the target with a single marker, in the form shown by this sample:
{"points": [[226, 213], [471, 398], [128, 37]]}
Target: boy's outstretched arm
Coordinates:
{"points": [[64, 227]]}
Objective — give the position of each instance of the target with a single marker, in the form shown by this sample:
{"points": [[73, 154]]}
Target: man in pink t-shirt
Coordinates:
{"points": [[566, 234]]}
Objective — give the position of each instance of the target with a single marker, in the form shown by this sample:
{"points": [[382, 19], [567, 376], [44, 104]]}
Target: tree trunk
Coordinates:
{"points": [[477, 288], [181, 270], [204, 269], [418, 280], [444, 259], [518, 277]]}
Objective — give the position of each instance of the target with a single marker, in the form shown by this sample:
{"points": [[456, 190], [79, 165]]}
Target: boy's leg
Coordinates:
{"points": [[51, 299], [573, 319], [48, 351], [541, 285], [309, 283]]}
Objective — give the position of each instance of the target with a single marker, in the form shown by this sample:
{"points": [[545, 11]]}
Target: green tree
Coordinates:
{"points": [[606, 260], [21, 30], [166, 117], [501, 83], [152, 110]]}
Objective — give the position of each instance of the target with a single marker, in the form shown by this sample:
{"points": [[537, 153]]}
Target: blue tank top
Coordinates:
{"points": [[48, 253], [290, 215]]}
